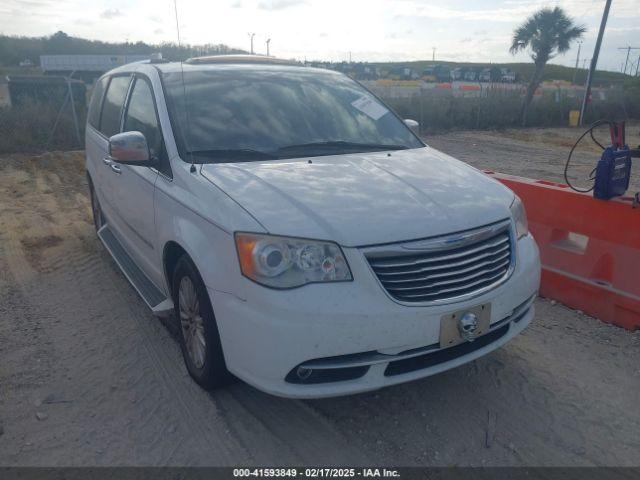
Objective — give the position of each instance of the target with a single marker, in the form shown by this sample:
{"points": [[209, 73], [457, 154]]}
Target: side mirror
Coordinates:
{"points": [[413, 125], [130, 148]]}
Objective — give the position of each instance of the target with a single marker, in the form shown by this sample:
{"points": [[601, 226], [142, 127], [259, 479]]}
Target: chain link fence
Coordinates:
{"points": [[39, 124], [39, 117], [501, 108]]}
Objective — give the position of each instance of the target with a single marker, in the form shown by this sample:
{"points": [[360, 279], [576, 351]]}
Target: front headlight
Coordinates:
{"points": [[285, 262], [519, 217]]}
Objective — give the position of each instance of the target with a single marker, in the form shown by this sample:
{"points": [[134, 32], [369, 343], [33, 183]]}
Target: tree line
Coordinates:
{"points": [[14, 50]]}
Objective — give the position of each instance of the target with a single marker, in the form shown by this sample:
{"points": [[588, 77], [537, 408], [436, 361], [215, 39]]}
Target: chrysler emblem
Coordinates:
{"points": [[468, 326]]}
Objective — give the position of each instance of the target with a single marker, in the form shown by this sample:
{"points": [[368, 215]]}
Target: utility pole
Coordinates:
{"points": [[575, 70], [251, 35], [594, 61], [433, 54], [268, 42], [349, 57], [628, 49], [637, 65]]}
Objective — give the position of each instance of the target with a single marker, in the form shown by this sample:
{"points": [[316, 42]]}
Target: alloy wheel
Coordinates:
{"points": [[191, 322]]}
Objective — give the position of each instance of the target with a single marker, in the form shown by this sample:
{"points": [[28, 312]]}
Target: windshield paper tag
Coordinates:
{"points": [[370, 107]]}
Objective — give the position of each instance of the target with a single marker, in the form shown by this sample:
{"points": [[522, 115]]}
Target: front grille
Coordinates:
{"points": [[444, 268]]}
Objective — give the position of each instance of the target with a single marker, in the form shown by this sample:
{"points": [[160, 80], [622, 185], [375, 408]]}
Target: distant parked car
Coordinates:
{"points": [[485, 75], [443, 73], [492, 74], [365, 72], [403, 73], [428, 74], [507, 75], [470, 75]]}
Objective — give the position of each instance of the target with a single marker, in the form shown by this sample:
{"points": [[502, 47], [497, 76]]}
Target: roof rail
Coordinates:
{"points": [[262, 59]]}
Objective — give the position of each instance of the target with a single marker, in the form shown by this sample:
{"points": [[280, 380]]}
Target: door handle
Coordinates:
{"points": [[107, 161], [116, 168]]}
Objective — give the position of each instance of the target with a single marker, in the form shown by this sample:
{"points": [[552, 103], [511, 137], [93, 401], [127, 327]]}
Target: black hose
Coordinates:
{"points": [[596, 141], [589, 132]]}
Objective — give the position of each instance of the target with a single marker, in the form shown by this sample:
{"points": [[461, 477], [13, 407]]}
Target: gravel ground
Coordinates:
{"points": [[89, 377], [539, 153]]}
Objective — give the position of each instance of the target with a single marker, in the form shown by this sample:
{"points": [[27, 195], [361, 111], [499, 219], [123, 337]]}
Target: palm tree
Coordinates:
{"points": [[545, 33]]}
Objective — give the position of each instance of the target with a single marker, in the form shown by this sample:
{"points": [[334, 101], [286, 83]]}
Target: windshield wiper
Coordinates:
{"points": [[219, 155], [337, 144]]}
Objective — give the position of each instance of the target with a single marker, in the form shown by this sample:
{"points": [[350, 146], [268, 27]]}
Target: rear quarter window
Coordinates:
{"points": [[93, 116]]}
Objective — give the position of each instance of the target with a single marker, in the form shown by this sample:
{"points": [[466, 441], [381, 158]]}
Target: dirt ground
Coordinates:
{"points": [[89, 377], [539, 153]]}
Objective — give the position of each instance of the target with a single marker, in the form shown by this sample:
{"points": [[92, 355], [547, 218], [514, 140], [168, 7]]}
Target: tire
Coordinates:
{"points": [[197, 325], [96, 210]]}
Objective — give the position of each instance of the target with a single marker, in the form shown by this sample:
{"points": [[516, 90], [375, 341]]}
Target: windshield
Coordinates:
{"points": [[245, 113]]}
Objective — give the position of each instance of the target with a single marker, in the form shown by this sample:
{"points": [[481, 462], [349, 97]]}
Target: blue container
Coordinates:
{"points": [[613, 173]]}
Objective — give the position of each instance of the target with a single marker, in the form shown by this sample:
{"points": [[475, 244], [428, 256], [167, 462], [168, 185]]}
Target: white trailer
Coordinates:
{"points": [[86, 63]]}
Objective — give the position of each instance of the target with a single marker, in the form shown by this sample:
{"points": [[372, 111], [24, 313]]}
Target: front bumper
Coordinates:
{"points": [[267, 334]]}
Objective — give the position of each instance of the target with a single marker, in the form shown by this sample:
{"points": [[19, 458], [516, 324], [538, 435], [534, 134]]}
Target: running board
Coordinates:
{"points": [[159, 304]]}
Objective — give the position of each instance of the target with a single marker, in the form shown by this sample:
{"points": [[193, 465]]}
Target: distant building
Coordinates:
{"points": [[86, 67]]}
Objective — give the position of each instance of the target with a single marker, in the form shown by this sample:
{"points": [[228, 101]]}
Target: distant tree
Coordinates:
{"points": [[546, 33]]}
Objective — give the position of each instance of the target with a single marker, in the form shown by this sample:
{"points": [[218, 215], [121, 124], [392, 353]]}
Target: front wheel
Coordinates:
{"points": [[199, 337]]}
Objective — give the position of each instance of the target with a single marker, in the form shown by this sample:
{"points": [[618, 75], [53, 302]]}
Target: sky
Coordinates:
{"points": [[366, 30]]}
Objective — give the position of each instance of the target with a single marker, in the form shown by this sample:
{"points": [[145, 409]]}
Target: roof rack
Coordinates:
{"points": [[262, 59]]}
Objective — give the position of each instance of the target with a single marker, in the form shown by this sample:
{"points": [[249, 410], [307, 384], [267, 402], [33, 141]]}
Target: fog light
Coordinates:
{"points": [[303, 373]]}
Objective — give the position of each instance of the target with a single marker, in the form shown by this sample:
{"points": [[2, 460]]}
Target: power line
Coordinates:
{"points": [[575, 70], [628, 49], [594, 61]]}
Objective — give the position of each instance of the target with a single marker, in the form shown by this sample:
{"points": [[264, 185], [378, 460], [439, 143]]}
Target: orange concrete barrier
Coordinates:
{"points": [[589, 248]]}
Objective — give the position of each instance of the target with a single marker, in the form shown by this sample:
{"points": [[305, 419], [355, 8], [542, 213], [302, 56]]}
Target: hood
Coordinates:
{"points": [[365, 198]]}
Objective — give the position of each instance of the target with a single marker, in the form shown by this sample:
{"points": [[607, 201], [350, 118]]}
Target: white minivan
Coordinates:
{"points": [[299, 232]]}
